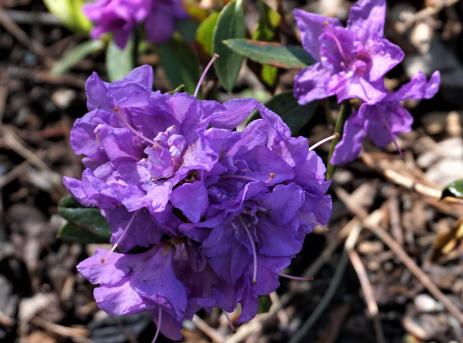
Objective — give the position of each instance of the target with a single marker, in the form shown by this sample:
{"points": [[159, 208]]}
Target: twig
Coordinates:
{"points": [[25, 17], [13, 174], [22, 37], [371, 222], [394, 214], [400, 179], [367, 290], [78, 334], [14, 143], [421, 276], [326, 300], [210, 332]]}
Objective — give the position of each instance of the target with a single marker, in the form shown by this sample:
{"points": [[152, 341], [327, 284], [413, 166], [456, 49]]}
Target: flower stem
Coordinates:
{"points": [[343, 114]]}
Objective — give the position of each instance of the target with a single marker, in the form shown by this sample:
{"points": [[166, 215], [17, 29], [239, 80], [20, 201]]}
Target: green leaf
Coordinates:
{"points": [[275, 54], [230, 24], [85, 224], [119, 62], [180, 64], [454, 189], [294, 115], [70, 13], [205, 32], [268, 22], [75, 55], [187, 29], [264, 304]]}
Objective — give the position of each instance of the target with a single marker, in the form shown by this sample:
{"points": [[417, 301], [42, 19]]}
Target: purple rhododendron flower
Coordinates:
{"points": [[383, 121], [350, 61], [121, 16], [219, 212]]}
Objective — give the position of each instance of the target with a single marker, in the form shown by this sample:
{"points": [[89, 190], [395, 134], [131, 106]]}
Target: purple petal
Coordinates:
{"points": [[311, 27], [353, 136], [356, 88], [191, 199], [384, 57], [419, 88], [367, 17], [310, 84]]}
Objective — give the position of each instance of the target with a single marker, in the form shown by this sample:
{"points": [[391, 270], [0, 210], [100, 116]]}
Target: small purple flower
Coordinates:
{"points": [[120, 17], [351, 60], [382, 122]]}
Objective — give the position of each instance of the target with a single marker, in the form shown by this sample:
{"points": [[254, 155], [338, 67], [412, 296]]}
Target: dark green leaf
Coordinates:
{"points": [[180, 64], [73, 233], [75, 55], [85, 223], [230, 24], [275, 54], [187, 29], [294, 115], [264, 304], [119, 62], [455, 189], [205, 31]]}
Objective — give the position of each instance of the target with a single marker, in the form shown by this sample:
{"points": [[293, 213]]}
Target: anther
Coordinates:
{"points": [[203, 75]]}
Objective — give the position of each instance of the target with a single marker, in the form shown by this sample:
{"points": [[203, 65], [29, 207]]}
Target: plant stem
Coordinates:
{"points": [[343, 114]]}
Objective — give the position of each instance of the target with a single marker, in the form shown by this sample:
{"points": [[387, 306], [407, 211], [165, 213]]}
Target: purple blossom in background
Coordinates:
{"points": [[350, 61], [383, 121], [221, 212], [120, 17]]}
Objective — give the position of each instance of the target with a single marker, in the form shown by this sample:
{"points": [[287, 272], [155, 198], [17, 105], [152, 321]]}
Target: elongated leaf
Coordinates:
{"points": [[180, 64], [230, 24], [70, 13], [294, 115], [85, 225], [454, 189], [275, 54], [119, 62], [205, 31], [75, 55]]}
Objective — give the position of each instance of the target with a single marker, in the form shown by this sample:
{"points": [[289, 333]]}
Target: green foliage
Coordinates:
{"points": [[205, 32], [268, 23], [70, 13], [230, 24], [75, 55], [180, 64], [454, 189], [275, 54], [119, 62], [85, 225], [293, 114]]}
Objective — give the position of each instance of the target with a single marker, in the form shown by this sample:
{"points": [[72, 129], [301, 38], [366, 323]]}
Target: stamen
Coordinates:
{"points": [[296, 278], [394, 139], [103, 259], [338, 44], [323, 141], [131, 128], [253, 247], [158, 328], [203, 75], [242, 177]]}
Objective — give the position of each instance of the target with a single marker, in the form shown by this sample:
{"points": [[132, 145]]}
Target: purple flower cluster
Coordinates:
{"points": [[120, 17], [351, 63], [214, 214]]}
